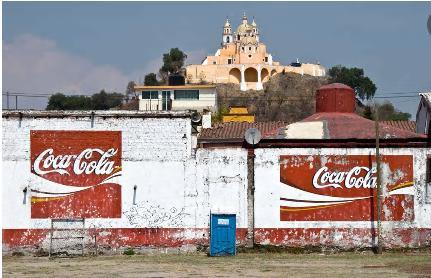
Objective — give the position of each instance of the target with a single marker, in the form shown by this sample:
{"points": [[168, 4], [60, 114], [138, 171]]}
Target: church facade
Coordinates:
{"points": [[243, 59]]}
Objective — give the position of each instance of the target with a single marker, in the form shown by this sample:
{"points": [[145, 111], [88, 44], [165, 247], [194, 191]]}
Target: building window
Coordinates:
{"points": [[214, 62], [150, 95], [238, 37], [249, 56], [186, 94], [266, 59], [249, 48], [242, 48], [428, 182], [229, 61]]}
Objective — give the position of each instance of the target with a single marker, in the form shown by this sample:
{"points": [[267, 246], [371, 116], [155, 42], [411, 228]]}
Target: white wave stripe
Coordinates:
{"points": [[295, 204], [51, 189], [403, 191], [290, 192]]}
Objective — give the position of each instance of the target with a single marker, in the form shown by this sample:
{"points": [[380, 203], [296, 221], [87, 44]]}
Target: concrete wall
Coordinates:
{"points": [[177, 187], [331, 229], [207, 100]]}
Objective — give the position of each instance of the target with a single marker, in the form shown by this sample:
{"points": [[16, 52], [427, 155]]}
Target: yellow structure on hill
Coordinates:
{"points": [[238, 114], [243, 59]]}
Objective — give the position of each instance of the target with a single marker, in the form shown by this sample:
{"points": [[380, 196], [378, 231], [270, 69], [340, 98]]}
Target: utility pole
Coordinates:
{"points": [[252, 136], [379, 185], [250, 197]]}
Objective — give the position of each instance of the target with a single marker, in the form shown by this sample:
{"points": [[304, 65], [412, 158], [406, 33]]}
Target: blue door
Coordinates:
{"points": [[223, 234]]}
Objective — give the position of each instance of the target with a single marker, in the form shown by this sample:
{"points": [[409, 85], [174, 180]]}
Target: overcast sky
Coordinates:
{"points": [[81, 48]]}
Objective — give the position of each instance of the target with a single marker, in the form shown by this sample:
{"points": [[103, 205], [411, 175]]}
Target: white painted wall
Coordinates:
{"points": [[207, 100], [179, 185], [268, 186]]}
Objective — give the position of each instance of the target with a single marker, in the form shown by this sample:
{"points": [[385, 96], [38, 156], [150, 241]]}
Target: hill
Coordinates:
{"points": [[286, 97]]}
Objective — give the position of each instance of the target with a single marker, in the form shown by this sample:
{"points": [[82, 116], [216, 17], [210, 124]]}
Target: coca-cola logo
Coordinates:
{"points": [[75, 174], [76, 158], [86, 162], [357, 177], [344, 187]]}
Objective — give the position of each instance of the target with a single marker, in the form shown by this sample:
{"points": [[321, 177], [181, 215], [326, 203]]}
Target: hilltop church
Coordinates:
{"points": [[244, 60]]}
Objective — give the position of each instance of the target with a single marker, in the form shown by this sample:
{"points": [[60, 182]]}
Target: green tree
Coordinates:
{"points": [[61, 102], [173, 61], [56, 102], [355, 78], [104, 101], [100, 101], [151, 80], [387, 112]]}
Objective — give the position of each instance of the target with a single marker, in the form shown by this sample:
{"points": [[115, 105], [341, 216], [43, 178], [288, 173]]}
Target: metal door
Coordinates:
{"points": [[223, 234]]}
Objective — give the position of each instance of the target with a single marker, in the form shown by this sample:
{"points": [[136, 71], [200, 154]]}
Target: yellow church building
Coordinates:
{"points": [[244, 60]]}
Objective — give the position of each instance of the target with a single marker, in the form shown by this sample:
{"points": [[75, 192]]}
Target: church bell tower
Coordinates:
{"points": [[227, 33]]}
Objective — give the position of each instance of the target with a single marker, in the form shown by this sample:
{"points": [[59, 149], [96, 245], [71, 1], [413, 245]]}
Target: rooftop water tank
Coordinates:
{"points": [[335, 97]]}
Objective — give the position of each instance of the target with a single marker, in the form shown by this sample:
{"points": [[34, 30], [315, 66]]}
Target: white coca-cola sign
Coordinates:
{"points": [[357, 177], [88, 161]]}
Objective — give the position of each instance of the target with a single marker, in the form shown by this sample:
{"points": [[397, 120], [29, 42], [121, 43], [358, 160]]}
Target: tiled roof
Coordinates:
{"points": [[406, 125], [353, 126], [236, 130]]}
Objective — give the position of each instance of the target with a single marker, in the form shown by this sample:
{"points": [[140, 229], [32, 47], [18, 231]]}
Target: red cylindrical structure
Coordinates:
{"points": [[335, 97]]}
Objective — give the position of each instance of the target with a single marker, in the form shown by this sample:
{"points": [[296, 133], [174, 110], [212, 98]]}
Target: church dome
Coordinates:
{"points": [[248, 40], [244, 28]]}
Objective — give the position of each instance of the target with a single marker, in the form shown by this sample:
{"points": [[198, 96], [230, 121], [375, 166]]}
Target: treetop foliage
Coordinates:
{"points": [[173, 62], [99, 101], [355, 78], [387, 112]]}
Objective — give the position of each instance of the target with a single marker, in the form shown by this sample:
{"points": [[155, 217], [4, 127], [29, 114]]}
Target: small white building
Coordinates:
{"points": [[423, 115], [183, 97]]}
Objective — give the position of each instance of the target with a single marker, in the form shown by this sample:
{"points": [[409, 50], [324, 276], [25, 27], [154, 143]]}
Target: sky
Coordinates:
{"points": [[83, 47]]}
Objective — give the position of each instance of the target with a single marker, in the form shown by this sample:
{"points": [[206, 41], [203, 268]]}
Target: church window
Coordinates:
{"points": [[229, 61], [214, 62], [242, 48], [266, 59], [249, 48], [227, 40], [249, 56], [238, 37]]}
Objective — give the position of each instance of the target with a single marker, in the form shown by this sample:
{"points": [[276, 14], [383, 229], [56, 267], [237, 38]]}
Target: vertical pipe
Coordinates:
{"points": [[134, 194], [250, 197], [24, 201], [379, 186], [50, 239]]}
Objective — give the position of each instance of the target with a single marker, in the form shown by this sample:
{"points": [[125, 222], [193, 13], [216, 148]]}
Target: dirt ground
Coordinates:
{"points": [[200, 265]]}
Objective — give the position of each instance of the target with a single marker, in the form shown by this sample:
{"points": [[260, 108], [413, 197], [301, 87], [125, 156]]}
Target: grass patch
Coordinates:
{"points": [[129, 252]]}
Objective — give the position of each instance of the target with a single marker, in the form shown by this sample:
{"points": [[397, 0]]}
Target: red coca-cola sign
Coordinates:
{"points": [[76, 174], [344, 188]]}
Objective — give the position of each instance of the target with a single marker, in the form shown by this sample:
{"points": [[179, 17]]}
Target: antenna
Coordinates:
{"points": [[252, 136], [196, 117]]}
